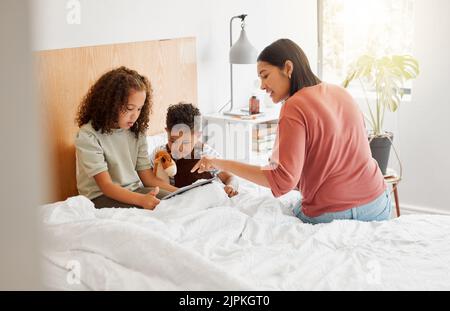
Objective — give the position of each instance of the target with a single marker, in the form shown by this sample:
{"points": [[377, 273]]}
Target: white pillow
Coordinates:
{"points": [[77, 208]]}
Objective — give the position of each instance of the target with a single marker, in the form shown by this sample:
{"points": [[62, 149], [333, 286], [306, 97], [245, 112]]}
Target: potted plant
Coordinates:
{"points": [[386, 77]]}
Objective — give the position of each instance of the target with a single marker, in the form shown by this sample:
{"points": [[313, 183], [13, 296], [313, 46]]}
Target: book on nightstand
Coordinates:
{"points": [[264, 136], [242, 115], [265, 130]]}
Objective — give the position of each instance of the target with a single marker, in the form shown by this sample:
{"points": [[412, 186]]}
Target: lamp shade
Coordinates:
{"points": [[243, 52]]}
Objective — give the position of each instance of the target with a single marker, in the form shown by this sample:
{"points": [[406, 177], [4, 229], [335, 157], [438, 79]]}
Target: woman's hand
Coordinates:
{"points": [[229, 189], [205, 164], [149, 200], [253, 173]]}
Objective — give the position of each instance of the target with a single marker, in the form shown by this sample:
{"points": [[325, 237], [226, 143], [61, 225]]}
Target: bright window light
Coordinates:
{"points": [[351, 28]]}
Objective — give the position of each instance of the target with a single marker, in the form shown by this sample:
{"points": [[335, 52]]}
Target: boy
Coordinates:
{"points": [[186, 148]]}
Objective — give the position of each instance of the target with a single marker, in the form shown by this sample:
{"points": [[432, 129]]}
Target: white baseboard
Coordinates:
{"points": [[414, 209]]}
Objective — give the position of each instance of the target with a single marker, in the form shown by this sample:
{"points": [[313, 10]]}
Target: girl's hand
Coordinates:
{"points": [[229, 189], [149, 200], [205, 164]]}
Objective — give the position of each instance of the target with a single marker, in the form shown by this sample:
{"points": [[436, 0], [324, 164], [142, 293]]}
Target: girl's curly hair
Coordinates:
{"points": [[108, 97]]}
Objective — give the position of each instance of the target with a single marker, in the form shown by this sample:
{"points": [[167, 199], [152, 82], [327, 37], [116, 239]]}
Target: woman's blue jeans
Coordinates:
{"points": [[378, 210]]}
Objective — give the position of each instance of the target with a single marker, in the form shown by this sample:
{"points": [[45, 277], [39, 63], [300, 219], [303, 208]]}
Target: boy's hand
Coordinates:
{"points": [[230, 191], [149, 200]]}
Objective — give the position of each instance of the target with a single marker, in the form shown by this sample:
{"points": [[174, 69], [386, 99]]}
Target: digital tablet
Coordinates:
{"points": [[187, 188]]}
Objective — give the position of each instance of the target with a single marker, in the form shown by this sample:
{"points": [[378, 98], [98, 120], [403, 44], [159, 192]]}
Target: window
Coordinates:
{"points": [[351, 28]]}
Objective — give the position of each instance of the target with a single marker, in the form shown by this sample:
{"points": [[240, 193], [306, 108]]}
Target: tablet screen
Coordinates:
{"points": [[184, 189]]}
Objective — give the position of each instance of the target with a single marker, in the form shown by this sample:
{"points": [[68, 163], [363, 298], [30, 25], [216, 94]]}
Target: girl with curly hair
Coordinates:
{"points": [[113, 167]]}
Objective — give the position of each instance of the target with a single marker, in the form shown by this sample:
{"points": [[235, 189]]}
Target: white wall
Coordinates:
{"points": [[115, 21], [424, 123], [21, 166], [421, 127], [105, 22]]}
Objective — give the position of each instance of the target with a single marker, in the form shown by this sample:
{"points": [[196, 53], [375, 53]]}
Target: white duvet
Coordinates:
{"points": [[202, 240]]}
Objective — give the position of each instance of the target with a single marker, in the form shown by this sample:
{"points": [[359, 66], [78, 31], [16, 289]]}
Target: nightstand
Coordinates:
{"points": [[392, 178], [247, 139]]}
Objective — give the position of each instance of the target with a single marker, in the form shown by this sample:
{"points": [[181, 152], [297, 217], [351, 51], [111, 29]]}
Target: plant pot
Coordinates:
{"points": [[380, 146]]}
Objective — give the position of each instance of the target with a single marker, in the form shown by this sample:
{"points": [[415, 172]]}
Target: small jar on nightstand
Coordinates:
{"points": [[253, 105]]}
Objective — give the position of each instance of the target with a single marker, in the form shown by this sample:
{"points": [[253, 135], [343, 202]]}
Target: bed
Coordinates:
{"points": [[203, 240]]}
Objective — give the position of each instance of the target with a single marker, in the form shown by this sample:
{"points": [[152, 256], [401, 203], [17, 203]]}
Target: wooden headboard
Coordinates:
{"points": [[64, 76]]}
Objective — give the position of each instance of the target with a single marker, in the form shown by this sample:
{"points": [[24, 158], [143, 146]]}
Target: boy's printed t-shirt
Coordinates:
{"points": [[206, 151]]}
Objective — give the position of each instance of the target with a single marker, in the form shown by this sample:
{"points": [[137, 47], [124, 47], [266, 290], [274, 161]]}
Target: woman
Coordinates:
{"points": [[321, 147]]}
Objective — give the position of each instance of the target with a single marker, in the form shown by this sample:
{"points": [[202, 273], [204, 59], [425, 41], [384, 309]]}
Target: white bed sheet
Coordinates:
{"points": [[203, 240]]}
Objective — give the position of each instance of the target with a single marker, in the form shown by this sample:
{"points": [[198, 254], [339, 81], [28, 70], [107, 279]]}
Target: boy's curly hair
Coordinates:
{"points": [[108, 97], [182, 113]]}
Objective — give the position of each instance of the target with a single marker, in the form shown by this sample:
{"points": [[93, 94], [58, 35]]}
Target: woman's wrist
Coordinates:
{"points": [[218, 164]]}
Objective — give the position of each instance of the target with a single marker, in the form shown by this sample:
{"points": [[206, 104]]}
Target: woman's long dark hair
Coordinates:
{"points": [[283, 50]]}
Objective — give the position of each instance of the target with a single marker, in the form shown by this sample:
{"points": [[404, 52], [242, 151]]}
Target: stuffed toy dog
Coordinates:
{"points": [[164, 166]]}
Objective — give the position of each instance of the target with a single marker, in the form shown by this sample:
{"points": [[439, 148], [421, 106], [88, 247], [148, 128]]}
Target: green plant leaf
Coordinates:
{"points": [[386, 75]]}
